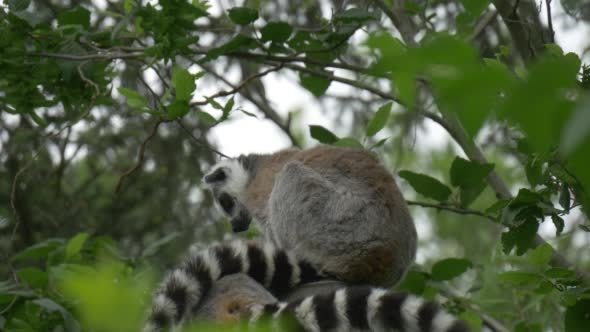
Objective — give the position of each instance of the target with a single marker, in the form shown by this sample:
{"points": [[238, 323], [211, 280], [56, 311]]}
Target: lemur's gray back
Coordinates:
{"points": [[338, 208]]}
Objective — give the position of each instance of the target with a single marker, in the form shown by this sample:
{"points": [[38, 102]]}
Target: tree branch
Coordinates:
{"points": [[86, 57], [198, 141], [238, 87], [13, 194], [526, 31], [140, 155], [400, 20], [451, 208]]}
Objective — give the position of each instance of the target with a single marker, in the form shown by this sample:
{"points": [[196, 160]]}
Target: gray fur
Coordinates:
{"points": [[330, 220]]}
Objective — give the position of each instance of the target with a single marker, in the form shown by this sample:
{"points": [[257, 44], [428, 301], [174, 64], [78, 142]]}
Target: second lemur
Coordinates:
{"points": [[337, 208]]}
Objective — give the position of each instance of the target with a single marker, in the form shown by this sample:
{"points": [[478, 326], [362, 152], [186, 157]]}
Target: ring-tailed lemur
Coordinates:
{"points": [[354, 308], [333, 212], [337, 208]]}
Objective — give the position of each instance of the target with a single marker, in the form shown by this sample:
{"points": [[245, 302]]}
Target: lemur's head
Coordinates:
{"points": [[227, 180]]}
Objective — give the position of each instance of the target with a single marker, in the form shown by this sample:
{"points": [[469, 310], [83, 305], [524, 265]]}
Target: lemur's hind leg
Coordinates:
{"points": [[332, 221]]}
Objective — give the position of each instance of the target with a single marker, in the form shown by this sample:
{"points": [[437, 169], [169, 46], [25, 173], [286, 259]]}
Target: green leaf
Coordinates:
{"points": [[227, 109], [450, 268], [71, 325], [250, 114], [469, 176], [242, 15], [277, 32], [427, 186], [214, 104], [18, 5], [413, 282], [564, 196], [32, 276], [534, 172], [128, 5], [355, 15], [76, 16], [348, 142], [559, 224], [379, 120], [239, 42], [75, 244], [315, 84], [183, 83], [38, 119], [577, 317], [541, 255], [497, 207], [206, 118], [554, 49], [466, 173], [559, 273], [518, 277], [527, 326], [577, 128], [522, 237], [379, 143], [545, 287], [322, 134], [473, 319], [134, 99], [545, 89], [469, 195], [39, 250], [178, 108]]}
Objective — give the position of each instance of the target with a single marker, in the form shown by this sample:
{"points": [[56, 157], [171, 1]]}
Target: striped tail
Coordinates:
{"points": [[358, 308], [184, 288]]}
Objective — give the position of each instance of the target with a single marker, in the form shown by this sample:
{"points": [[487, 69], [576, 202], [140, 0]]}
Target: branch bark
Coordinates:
{"points": [[524, 26]]}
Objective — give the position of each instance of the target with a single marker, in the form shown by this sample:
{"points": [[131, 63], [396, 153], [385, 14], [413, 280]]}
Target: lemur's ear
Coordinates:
{"points": [[216, 176], [244, 161]]}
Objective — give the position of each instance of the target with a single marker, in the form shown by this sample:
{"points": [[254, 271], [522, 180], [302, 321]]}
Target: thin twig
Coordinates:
{"points": [[200, 142], [238, 87], [286, 59], [400, 21], [140, 155], [550, 20], [347, 81], [488, 18], [13, 193], [154, 94], [451, 209], [87, 57], [85, 79]]}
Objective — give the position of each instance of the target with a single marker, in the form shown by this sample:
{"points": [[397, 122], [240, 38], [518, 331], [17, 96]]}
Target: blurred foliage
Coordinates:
{"points": [[105, 109]]}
